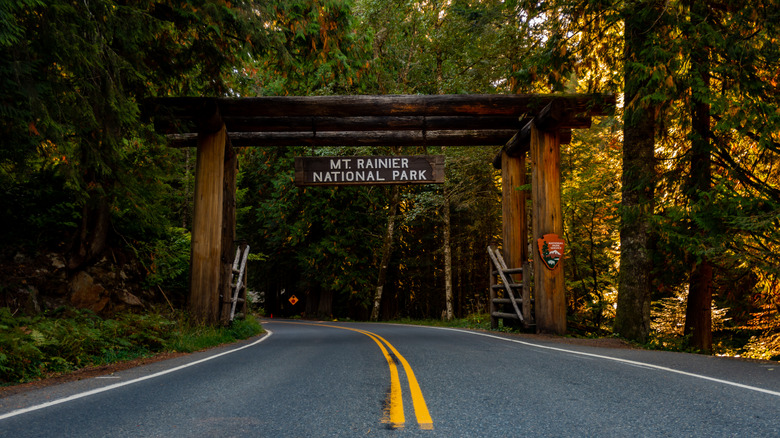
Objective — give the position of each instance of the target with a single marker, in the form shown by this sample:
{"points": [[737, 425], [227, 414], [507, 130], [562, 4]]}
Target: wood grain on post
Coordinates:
{"points": [[205, 264], [228, 232], [515, 228], [550, 299], [472, 137], [381, 105], [492, 308]]}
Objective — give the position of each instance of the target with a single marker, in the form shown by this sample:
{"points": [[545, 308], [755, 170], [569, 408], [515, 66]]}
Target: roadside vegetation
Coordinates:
{"points": [[739, 343], [67, 339]]}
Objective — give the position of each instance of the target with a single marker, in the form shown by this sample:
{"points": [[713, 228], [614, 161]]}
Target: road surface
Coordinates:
{"points": [[329, 379]]}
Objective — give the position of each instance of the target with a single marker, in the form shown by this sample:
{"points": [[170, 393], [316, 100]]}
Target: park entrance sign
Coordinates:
{"points": [[395, 169], [527, 128]]}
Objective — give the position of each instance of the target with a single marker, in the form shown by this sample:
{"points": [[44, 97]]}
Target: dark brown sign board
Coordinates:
{"points": [[393, 169]]}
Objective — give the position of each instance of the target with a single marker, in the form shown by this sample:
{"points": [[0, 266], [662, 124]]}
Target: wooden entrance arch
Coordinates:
{"points": [[522, 124]]}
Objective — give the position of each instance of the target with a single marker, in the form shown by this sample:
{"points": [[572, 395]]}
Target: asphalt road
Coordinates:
{"points": [[351, 380]]}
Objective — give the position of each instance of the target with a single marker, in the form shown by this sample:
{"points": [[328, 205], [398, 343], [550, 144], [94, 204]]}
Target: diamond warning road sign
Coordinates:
{"points": [[293, 299]]}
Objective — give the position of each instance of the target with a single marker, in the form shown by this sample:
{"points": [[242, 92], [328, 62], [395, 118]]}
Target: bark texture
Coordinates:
{"points": [[632, 319], [387, 250], [698, 314], [449, 313]]}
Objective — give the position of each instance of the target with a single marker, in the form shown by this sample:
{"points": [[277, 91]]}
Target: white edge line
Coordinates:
{"points": [[129, 382], [617, 359]]}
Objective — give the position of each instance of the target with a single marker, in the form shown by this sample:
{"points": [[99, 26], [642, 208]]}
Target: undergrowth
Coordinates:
{"points": [[64, 340], [479, 321]]}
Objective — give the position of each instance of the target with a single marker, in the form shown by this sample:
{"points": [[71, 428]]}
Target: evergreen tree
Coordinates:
{"points": [[75, 75]]}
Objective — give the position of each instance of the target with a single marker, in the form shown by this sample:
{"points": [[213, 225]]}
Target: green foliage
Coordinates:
{"points": [[473, 321], [67, 339], [167, 261], [189, 338], [11, 32], [478, 321], [318, 240], [37, 346], [313, 48], [590, 199], [417, 273], [437, 47], [73, 77], [41, 211], [766, 346]]}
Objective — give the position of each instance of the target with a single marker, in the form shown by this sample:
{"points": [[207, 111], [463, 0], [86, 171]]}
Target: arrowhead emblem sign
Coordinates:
{"points": [[551, 250]]}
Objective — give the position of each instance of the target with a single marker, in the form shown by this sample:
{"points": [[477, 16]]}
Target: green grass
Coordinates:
{"points": [[194, 338], [64, 340], [479, 321]]}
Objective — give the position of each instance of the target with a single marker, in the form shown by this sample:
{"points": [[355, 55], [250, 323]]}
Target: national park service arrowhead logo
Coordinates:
{"points": [[551, 250]]}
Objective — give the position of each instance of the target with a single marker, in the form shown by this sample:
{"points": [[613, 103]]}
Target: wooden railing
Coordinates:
{"points": [[238, 286], [518, 294]]}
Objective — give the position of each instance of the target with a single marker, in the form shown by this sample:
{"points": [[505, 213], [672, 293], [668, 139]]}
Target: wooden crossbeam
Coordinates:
{"points": [[561, 115], [373, 123], [183, 114], [357, 138], [387, 105]]}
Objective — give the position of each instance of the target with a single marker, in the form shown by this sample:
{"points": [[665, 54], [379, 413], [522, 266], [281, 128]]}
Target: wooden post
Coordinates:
{"points": [[545, 155], [526, 294], [205, 266], [244, 293], [491, 295], [515, 226], [228, 232]]}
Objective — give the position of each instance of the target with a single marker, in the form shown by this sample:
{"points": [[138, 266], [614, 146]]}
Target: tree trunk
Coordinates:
{"points": [[634, 289], [447, 255], [325, 307], [459, 276], [311, 301], [186, 213], [447, 231], [387, 250], [698, 314], [92, 237]]}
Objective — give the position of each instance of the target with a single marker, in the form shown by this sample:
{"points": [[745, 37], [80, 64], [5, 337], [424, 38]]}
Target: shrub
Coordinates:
{"points": [[68, 339]]}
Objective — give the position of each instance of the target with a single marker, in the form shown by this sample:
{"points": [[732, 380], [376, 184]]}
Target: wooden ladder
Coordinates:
{"points": [[519, 294], [238, 283]]}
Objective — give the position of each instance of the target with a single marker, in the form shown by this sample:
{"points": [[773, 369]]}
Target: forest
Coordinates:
{"points": [[671, 205]]}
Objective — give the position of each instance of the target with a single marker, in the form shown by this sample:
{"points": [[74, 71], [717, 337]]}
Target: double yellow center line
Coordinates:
{"points": [[394, 414]]}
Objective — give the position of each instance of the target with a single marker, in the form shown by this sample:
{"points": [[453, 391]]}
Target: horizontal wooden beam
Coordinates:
{"points": [[519, 142], [371, 123], [173, 111], [558, 115], [349, 138], [562, 114]]}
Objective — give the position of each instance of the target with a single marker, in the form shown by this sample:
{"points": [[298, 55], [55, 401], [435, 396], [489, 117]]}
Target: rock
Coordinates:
{"points": [[85, 294], [56, 261], [129, 299], [31, 302]]}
